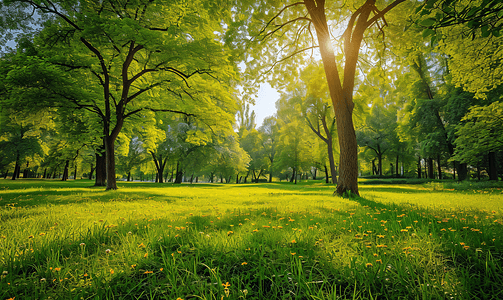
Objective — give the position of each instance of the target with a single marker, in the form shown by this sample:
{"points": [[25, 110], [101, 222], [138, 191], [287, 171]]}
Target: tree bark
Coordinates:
{"points": [[419, 167], [294, 176], [462, 171], [331, 159], [110, 163], [15, 175], [179, 174], [26, 171], [65, 171], [75, 172], [160, 164], [101, 171], [493, 166], [91, 172], [396, 166], [439, 166], [430, 168]]}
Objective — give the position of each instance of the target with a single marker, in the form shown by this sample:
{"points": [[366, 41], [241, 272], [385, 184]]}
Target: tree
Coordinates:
{"points": [[313, 14], [317, 112], [481, 133], [140, 61], [269, 130], [379, 132], [252, 143], [294, 151]]}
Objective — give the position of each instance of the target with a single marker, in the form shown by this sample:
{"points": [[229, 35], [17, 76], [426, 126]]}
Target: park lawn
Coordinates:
{"points": [[68, 240]]}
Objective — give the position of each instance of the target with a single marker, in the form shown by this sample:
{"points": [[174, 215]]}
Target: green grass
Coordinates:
{"points": [[68, 240]]}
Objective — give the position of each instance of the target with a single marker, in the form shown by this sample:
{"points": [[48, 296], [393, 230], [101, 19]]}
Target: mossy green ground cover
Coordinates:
{"points": [[67, 240]]}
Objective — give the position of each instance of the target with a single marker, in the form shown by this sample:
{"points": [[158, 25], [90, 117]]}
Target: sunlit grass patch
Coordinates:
{"points": [[265, 241]]}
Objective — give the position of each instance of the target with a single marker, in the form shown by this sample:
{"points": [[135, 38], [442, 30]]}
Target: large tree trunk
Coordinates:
{"points": [[75, 171], [179, 174], [348, 163], [493, 166], [101, 171], [439, 167], [462, 171]]}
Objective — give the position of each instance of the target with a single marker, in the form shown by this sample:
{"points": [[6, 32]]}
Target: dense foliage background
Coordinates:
{"points": [[160, 90]]}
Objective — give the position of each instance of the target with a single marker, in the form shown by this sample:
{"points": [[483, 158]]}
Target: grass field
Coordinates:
{"points": [[68, 240]]}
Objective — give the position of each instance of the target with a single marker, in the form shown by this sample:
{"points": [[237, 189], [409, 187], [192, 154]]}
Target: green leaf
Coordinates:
{"points": [[430, 3], [485, 31], [428, 32], [428, 22], [473, 11]]}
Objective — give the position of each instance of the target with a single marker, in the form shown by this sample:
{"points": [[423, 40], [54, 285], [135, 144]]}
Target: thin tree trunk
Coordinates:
{"points": [[65, 171], [396, 166], [17, 169], [419, 171], [430, 168], [326, 174], [26, 171], [91, 172], [379, 163], [75, 172], [439, 167]]}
